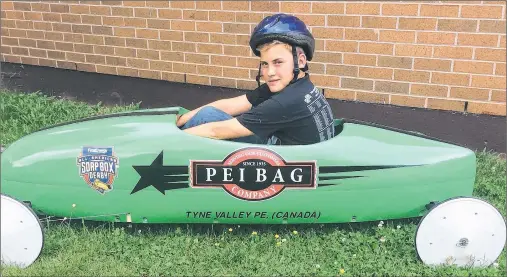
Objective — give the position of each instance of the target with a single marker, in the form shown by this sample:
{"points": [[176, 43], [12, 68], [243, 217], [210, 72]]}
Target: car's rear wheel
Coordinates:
{"points": [[463, 231]]}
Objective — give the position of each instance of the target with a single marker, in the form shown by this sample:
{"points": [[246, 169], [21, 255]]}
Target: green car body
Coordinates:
{"points": [[148, 170]]}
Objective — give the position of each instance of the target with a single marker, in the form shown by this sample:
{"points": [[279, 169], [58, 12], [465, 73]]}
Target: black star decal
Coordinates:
{"points": [[161, 177]]}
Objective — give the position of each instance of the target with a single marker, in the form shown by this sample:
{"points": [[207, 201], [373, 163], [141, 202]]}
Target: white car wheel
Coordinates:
{"points": [[463, 231], [22, 236]]}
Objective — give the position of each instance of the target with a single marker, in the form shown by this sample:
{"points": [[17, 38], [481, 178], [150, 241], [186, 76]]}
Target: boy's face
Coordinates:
{"points": [[277, 67]]}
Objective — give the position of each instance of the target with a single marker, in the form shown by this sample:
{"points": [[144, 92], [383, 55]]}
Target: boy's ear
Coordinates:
{"points": [[302, 60]]}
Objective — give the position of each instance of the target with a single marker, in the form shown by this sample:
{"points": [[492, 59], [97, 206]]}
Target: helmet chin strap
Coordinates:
{"points": [[296, 65], [258, 77]]}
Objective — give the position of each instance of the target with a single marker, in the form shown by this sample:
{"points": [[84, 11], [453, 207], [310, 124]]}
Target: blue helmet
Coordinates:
{"points": [[285, 28]]}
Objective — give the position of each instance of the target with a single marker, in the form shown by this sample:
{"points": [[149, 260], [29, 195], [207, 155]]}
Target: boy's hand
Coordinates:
{"points": [[178, 119], [179, 122]]}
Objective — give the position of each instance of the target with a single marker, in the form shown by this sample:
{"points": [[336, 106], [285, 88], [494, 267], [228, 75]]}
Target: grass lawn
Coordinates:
{"points": [[107, 249]]}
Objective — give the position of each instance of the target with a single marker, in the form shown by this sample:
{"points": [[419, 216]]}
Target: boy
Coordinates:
{"points": [[287, 110]]}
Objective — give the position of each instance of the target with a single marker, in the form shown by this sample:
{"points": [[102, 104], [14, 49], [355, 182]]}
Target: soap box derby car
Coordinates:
{"points": [[139, 167]]}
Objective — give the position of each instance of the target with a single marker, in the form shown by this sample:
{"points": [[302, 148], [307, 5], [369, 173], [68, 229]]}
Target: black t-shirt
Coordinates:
{"points": [[297, 115]]}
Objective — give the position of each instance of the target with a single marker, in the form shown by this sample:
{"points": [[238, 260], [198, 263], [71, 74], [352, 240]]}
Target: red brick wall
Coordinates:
{"points": [[422, 54]]}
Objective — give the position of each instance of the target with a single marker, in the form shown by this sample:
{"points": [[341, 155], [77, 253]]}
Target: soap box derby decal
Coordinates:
{"points": [[253, 174], [98, 166]]}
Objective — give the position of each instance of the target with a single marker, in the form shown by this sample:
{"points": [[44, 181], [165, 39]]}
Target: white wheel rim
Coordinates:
{"points": [[462, 232], [21, 238]]}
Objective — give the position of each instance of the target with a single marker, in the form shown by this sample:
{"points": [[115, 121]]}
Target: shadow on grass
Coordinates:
{"points": [[203, 229]]}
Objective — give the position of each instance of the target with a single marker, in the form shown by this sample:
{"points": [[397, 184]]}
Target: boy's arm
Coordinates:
{"points": [[226, 129], [233, 106], [262, 121]]}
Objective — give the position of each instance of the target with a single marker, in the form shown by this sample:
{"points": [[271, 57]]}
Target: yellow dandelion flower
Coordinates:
{"points": [[230, 229], [342, 271], [277, 236], [254, 233], [295, 232]]}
